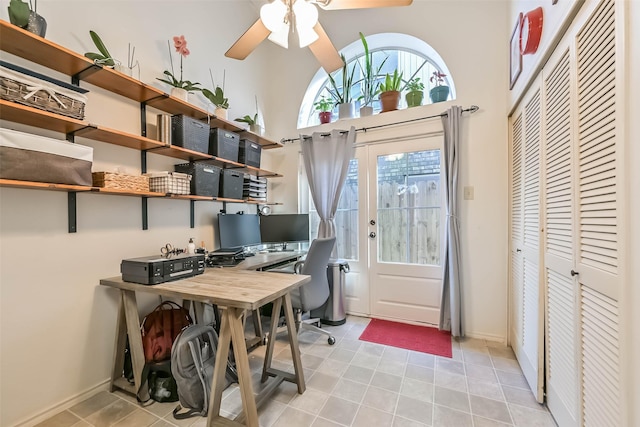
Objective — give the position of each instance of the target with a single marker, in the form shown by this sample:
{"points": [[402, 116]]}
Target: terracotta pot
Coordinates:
{"points": [[325, 117], [414, 98], [389, 100]]}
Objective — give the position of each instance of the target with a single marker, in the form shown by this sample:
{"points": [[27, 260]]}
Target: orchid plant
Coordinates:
{"points": [[180, 44]]}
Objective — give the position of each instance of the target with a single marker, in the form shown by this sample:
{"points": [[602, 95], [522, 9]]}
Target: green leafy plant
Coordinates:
{"points": [[414, 85], [19, 12], [248, 119], [102, 58], [342, 95], [324, 104], [180, 44], [437, 78], [391, 82], [370, 83], [217, 95]]}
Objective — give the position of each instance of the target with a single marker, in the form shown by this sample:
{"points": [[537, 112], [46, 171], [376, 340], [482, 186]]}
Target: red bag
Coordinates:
{"points": [[160, 328]]}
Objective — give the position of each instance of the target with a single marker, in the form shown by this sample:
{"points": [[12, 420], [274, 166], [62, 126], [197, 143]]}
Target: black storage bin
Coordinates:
{"points": [[249, 153], [189, 133], [231, 184], [205, 178], [224, 144]]}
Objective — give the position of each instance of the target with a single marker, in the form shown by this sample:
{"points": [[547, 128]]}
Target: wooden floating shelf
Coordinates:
{"points": [[35, 117], [116, 192], [42, 185], [36, 49]]}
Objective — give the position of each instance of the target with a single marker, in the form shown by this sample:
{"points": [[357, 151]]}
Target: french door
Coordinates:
{"points": [[390, 228]]}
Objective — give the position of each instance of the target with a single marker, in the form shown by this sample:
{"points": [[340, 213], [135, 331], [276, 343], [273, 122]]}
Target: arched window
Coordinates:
{"points": [[410, 55]]}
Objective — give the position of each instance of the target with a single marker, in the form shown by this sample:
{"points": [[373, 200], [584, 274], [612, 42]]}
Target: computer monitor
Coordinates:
{"points": [[284, 228], [237, 230]]}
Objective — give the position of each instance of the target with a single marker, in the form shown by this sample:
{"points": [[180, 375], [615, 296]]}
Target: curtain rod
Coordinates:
{"points": [[472, 109]]}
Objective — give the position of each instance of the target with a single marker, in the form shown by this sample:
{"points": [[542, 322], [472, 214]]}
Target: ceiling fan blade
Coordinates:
{"points": [[360, 4], [325, 52], [248, 41]]}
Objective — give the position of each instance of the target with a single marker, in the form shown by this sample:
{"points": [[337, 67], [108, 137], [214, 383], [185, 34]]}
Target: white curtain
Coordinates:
{"points": [[326, 159], [451, 316]]}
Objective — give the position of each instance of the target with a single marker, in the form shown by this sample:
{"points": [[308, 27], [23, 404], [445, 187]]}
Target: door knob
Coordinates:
{"points": [[372, 222], [574, 273], [372, 234]]}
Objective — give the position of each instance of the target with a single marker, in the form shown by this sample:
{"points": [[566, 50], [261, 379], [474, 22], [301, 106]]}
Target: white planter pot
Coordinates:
{"points": [[221, 113], [180, 93], [257, 129], [366, 111], [346, 111]]}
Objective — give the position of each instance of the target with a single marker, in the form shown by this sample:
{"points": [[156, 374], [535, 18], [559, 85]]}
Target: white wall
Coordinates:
{"points": [[470, 36], [58, 323]]}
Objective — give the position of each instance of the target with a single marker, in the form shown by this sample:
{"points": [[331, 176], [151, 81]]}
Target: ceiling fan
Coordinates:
{"points": [[280, 18]]}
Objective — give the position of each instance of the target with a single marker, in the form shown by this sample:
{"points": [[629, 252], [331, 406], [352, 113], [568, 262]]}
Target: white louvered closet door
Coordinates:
{"points": [[598, 235], [527, 307], [562, 341]]}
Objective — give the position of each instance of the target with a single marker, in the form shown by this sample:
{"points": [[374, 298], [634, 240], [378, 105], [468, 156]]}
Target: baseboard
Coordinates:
{"points": [[488, 337], [64, 405]]}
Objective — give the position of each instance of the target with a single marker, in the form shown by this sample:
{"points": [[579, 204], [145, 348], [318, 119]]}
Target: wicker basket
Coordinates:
{"points": [[118, 181], [170, 182], [25, 87]]}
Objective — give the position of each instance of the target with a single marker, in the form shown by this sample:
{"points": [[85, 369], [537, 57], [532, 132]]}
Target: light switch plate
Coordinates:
{"points": [[468, 193]]}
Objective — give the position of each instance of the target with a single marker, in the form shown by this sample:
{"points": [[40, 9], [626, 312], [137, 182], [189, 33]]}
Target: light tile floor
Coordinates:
{"points": [[358, 384]]}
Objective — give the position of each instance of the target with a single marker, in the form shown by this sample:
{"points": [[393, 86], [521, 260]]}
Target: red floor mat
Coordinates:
{"points": [[411, 337]]}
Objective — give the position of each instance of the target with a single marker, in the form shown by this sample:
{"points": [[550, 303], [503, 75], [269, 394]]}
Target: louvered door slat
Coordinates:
{"points": [[532, 172], [530, 315], [600, 359], [516, 181], [562, 339]]}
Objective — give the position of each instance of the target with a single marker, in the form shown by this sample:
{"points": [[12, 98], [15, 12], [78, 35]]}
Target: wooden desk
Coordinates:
{"points": [[262, 261], [233, 290]]}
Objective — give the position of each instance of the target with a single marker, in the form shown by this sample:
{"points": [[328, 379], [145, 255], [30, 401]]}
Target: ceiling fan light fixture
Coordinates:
{"points": [[306, 36], [273, 15], [280, 37], [306, 17]]}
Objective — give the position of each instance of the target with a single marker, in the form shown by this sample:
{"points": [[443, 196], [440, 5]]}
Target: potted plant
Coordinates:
{"points": [[389, 91], [415, 92], [252, 121], [439, 92], [342, 95], [102, 58], [25, 16], [180, 88], [323, 107], [369, 84], [217, 98]]}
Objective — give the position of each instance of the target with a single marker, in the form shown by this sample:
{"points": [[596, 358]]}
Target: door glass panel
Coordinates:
{"points": [[346, 216], [409, 207]]}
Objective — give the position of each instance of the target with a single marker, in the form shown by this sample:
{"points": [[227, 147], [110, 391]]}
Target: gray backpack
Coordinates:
{"points": [[193, 357]]}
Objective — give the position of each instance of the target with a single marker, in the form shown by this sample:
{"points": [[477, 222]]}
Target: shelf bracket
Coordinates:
{"points": [[145, 219], [75, 79], [71, 204], [192, 213], [143, 119]]}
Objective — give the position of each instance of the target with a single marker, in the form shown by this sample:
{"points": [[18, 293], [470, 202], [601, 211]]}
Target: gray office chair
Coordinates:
{"points": [[315, 293]]}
